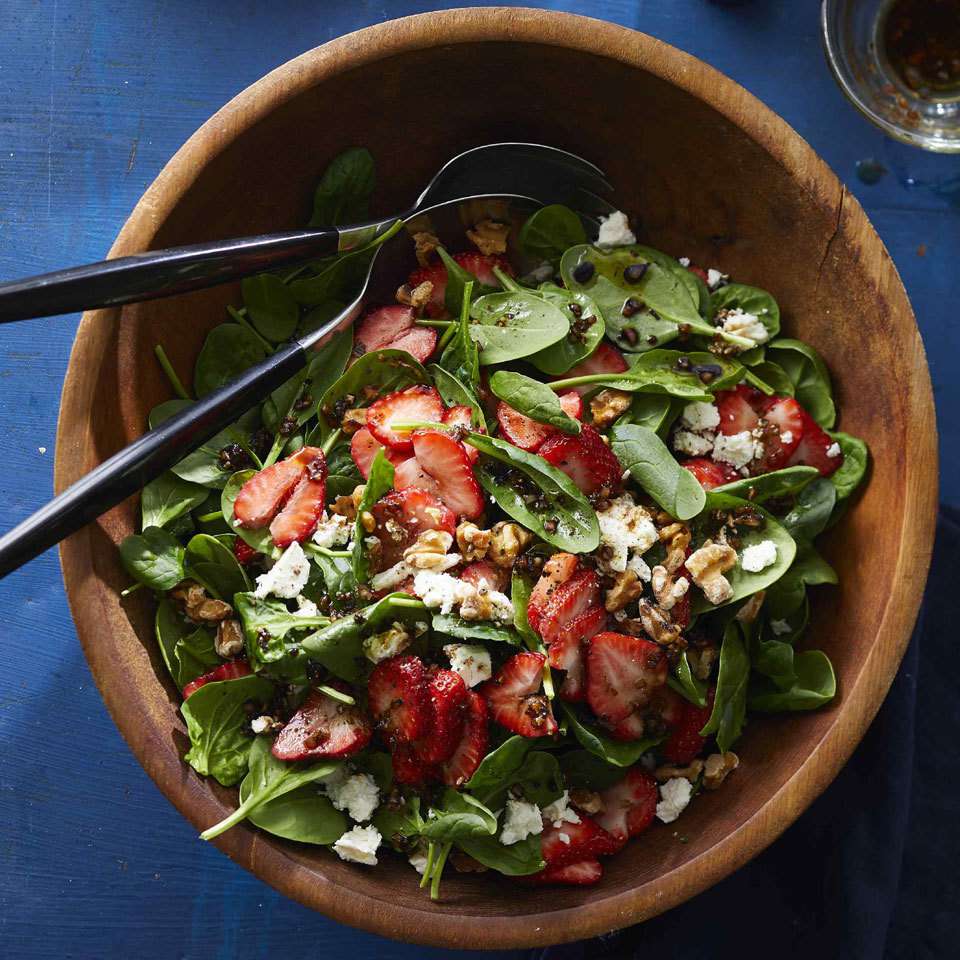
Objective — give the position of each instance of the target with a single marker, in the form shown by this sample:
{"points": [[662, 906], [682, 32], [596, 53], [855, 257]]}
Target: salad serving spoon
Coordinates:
{"points": [[539, 175]]}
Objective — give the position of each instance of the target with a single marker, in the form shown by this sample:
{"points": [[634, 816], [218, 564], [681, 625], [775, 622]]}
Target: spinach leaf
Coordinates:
{"points": [[459, 817], [343, 193], [851, 472], [585, 770], [229, 349], [168, 497], [316, 317], [549, 231], [379, 482], [773, 375], [518, 860], [500, 766], [770, 486], [337, 575], [573, 521], [461, 357], [686, 684], [186, 655], [371, 376], [730, 702], [579, 343], [336, 279], [654, 411], [453, 626], [807, 570], [395, 822], [814, 684], [266, 623], [213, 563], [520, 589], [750, 300], [654, 468], [621, 753], [812, 510], [154, 558], [260, 540], [694, 286], [457, 280], [302, 815], [808, 373], [216, 722], [270, 306], [540, 778], [510, 325], [454, 393], [533, 399]]}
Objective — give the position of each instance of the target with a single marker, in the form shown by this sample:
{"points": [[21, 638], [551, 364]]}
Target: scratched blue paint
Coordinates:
{"points": [[94, 97]]}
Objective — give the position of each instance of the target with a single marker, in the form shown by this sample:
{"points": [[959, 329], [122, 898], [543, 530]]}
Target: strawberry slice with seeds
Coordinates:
{"points": [[786, 416], [482, 573], [813, 447], [573, 842], [622, 673], [567, 651], [558, 569], [515, 700], [244, 553], [686, 721], [446, 702], [300, 514], [699, 272], [738, 409], [409, 767], [710, 474], [629, 806], [364, 447], [414, 404], [225, 671], [398, 698], [408, 473], [472, 748], [462, 416], [382, 326], [402, 515], [436, 276], [568, 602], [529, 434], [419, 342], [262, 496], [585, 459], [444, 459], [481, 266], [323, 727], [583, 873], [605, 359]]}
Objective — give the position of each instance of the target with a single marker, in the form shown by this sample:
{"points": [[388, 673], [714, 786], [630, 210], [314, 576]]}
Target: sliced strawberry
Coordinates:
{"points": [[622, 673], [515, 700], [409, 767], [262, 496], [481, 266], [580, 874], [398, 698], [482, 573], [436, 275], [300, 514], [473, 743], [686, 721], [586, 459], [402, 515], [573, 842], [414, 404], [558, 569], [786, 415], [567, 651], [738, 409], [382, 326], [363, 450], [462, 416], [630, 805], [568, 602], [710, 474], [225, 671], [699, 272], [244, 553], [813, 447], [323, 727], [419, 342], [444, 459], [446, 702], [605, 359], [632, 727], [529, 434], [409, 473]]}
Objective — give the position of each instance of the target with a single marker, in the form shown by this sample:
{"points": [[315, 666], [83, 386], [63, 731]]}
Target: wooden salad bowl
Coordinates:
{"points": [[712, 174]]}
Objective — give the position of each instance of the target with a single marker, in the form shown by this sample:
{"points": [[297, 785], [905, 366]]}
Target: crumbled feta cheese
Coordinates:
{"points": [[356, 795], [786, 436], [624, 527], [640, 567], [780, 627], [715, 278], [834, 450], [743, 324], [382, 646], [418, 860], [287, 577], [471, 661], [521, 820], [674, 796], [615, 231], [261, 724], [487, 604], [700, 416], [306, 608], [759, 556], [564, 837], [440, 590], [738, 449], [333, 531], [683, 261], [560, 812], [692, 444], [359, 845], [392, 576]]}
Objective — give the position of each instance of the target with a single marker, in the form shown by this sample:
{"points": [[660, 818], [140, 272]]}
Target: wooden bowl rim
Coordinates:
{"points": [[861, 702]]}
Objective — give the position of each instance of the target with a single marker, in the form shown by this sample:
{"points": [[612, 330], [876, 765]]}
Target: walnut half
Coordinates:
{"points": [[667, 590], [506, 543], [429, 551], [229, 639], [717, 767], [626, 588], [607, 405], [472, 541], [707, 567], [489, 236]]}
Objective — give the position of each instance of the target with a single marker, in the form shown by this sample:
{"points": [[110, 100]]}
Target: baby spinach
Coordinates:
{"points": [[730, 701], [266, 623], [808, 373], [585, 770], [459, 817], [517, 860], [229, 349], [533, 399], [578, 344], [517, 768], [770, 486], [753, 300], [216, 722], [154, 558], [500, 765], [520, 589], [694, 286], [213, 563], [336, 574], [686, 684], [851, 472], [461, 356], [168, 497], [269, 779], [549, 231], [808, 569], [510, 325], [453, 626], [343, 194], [572, 521], [186, 655], [458, 286], [811, 511], [621, 753], [454, 393], [302, 815], [371, 376], [270, 306], [260, 540], [653, 467], [399, 821], [814, 684], [379, 482], [654, 411], [772, 375]]}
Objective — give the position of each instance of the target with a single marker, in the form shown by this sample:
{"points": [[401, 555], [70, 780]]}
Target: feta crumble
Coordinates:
{"points": [[418, 860], [715, 278], [624, 527], [786, 436], [780, 627], [700, 416], [359, 845], [261, 724], [392, 576], [759, 556], [333, 531], [674, 796], [471, 661], [738, 449], [444, 592], [615, 231], [388, 643], [683, 261], [692, 444], [563, 837], [287, 577], [640, 567], [306, 608], [356, 795], [834, 450], [521, 820], [743, 324], [560, 812]]}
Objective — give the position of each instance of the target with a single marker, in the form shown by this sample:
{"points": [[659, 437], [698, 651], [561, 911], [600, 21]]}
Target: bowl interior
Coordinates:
{"points": [[756, 204]]}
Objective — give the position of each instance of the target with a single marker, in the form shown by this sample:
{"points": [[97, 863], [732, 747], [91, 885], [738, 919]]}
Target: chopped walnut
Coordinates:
{"points": [[198, 606], [229, 639], [701, 660], [424, 244], [626, 588], [354, 420], [658, 625], [676, 538], [490, 237], [479, 605], [690, 772], [418, 297], [587, 801], [429, 552], [607, 405], [507, 541], [472, 541], [718, 767], [344, 506], [707, 567], [749, 611], [667, 590], [368, 521]]}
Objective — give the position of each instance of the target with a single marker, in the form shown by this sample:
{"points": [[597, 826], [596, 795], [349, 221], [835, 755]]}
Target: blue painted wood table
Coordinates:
{"points": [[95, 95]]}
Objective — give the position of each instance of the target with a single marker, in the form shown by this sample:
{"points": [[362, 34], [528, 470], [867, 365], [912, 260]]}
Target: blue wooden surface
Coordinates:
{"points": [[94, 97]]}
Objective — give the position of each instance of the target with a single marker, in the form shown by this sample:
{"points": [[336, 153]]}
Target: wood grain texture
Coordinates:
{"points": [[780, 214]]}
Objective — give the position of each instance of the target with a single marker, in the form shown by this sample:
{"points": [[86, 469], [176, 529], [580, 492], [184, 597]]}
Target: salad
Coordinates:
{"points": [[497, 581]]}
